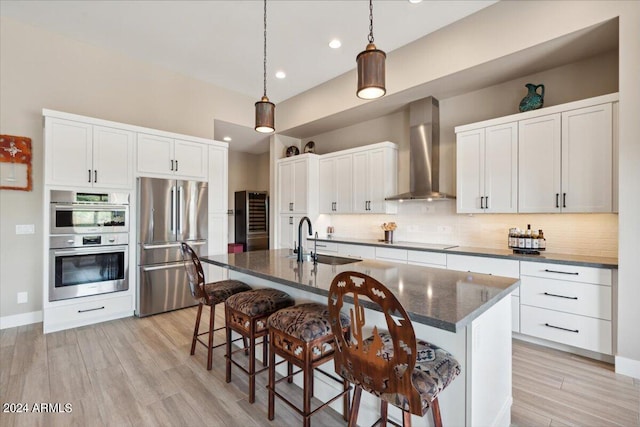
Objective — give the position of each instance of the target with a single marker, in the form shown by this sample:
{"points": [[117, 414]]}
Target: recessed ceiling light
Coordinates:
{"points": [[227, 138], [415, 1], [280, 74], [335, 44]]}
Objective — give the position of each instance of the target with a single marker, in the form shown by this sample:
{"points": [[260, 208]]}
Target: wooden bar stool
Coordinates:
{"points": [[393, 365], [247, 313], [209, 294], [302, 336]]}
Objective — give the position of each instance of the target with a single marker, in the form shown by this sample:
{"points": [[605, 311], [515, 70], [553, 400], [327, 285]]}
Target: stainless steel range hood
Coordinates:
{"points": [[424, 152]]}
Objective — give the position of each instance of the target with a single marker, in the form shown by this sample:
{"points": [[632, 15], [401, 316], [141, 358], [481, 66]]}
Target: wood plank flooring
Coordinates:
{"points": [[139, 372]]}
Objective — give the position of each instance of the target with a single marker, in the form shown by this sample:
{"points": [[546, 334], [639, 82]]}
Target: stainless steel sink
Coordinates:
{"points": [[327, 259]]}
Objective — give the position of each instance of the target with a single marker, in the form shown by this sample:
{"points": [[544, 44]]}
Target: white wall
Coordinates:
{"points": [[40, 70]]}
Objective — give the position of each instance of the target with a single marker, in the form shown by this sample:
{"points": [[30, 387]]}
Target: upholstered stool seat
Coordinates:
{"points": [[247, 313], [434, 370], [301, 335], [210, 294]]}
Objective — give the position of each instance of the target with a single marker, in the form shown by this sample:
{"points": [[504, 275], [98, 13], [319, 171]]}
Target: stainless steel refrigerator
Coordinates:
{"points": [[252, 220], [169, 212]]}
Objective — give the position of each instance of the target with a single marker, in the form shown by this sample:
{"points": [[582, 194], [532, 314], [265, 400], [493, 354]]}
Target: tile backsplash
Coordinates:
{"points": [[437, 222]]}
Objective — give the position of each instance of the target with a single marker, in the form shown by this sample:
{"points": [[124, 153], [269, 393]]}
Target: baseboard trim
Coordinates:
{"points": [[20, 319], [628, 367]]}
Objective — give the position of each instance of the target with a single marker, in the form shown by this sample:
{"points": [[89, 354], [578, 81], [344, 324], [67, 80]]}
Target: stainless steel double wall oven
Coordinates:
{"points": [[88, 244]]}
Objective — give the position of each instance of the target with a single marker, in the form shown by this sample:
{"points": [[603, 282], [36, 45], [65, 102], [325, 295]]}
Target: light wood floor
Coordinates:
{"points": [[138, 372]]}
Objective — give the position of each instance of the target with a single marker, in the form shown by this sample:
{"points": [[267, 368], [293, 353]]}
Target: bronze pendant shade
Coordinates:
{"points": [[265, 110], [371, 73], [265, 115]]}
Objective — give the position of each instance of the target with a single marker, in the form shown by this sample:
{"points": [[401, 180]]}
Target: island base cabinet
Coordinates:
{"points": [[569, 329]]}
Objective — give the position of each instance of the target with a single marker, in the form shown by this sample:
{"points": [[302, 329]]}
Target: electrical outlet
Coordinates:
{"points": [[427, 208], [25, 229], [23, 297], [445, 229]]}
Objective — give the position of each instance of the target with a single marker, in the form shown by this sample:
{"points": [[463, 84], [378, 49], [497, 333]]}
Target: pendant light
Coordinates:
{"points": [[371, 76], [265, 110]]}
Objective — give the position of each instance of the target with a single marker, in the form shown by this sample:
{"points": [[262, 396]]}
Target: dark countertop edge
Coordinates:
{"points": [[482, 252], [439, 324]]}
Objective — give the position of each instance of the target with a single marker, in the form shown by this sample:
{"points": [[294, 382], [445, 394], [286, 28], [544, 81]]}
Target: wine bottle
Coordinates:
{"points": [[527, 237], [542, 242]]}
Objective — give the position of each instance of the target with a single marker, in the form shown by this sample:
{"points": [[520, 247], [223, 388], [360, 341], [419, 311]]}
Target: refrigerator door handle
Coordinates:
{"points": [[173, 209], [161, 246], [179, 211], [163, 267]]}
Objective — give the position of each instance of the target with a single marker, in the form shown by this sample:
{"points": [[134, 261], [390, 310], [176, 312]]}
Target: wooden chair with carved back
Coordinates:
{"points": [[209, 294], [392, 364]]}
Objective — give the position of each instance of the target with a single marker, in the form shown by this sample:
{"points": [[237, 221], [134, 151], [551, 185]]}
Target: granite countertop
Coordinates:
{"points": [[444, 299], [582, 260]]}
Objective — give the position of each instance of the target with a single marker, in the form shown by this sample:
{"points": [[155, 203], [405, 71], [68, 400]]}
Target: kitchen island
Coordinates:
{"points": [[467, 314]]}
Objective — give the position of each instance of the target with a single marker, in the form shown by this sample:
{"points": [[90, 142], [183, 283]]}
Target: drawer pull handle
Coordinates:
{"points": [[560, 272], [321, 246], [564, 329], [560, 296], [91, 309]]}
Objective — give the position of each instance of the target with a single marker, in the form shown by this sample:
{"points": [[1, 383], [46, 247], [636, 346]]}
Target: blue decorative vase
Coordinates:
{"points": [[533, 100]]}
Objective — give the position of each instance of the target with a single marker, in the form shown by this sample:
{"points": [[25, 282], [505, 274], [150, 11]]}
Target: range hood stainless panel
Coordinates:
{"points": [[424, 152]]}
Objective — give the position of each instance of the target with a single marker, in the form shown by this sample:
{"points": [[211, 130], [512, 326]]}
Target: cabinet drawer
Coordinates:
{"points": [[572, 273], [357, 251], [324, 247], [577, 331], [392, 254], [569, 297], [87, 312], [427, 257], [484, 265]]}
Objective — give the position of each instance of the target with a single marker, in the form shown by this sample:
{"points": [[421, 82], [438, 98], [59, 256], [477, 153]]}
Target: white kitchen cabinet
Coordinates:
{"points": [[375, 172], [566, 162], [336, 184], [85, 155], [298, 184], [587, 150], [568, 304], [427, 259], [391, 254], [288, 232], [357, 251], [172, 158], [539, 162], [487, 164], [496, 267], [218, 179]]}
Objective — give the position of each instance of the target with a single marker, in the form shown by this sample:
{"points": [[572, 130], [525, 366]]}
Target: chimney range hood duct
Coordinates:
{"points": [[424, 152]]}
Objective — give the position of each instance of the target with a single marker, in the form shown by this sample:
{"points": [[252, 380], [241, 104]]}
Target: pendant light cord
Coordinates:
{"points": [[265, 48], [370, 21]]}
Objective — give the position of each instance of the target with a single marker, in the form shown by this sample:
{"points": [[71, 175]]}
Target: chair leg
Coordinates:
{"points": [[384, 412], [196, 330], [345, 400], [246, 347], [272, 381], [353, 418], [307, 392], [211, 328], [252, 368], [435, 408], [228, 356], [289, 372], [265, 349], [406, 419]]}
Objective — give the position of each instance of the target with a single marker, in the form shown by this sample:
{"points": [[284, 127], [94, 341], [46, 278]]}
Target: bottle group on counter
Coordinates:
{"points": [[527, 239]]}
